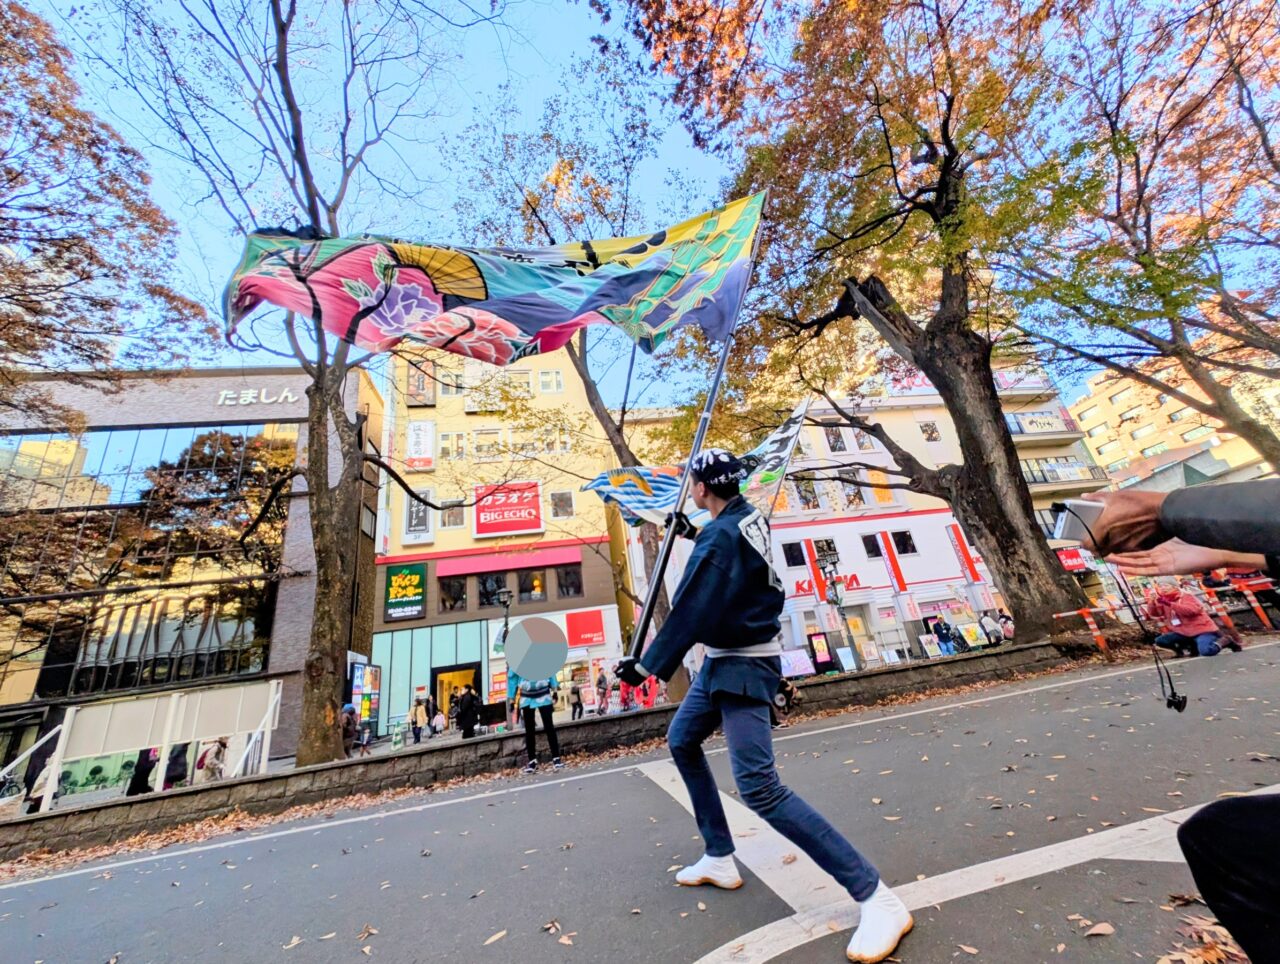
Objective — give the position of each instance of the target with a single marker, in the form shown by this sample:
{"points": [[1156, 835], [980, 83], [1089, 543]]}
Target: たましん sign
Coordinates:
{"points": [[406, 596], [508, 509]]}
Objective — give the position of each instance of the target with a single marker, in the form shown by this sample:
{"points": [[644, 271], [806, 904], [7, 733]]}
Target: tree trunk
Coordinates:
{"points": [[335, 506], [989, 495]]}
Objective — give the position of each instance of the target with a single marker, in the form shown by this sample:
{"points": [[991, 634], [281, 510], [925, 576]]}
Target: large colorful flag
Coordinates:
{"points": [[649, 493], [500, 304]]}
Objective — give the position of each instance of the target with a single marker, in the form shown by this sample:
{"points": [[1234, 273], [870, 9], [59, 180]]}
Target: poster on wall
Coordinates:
{"points": [[420, 446], [507, 509], [357, 686], [406, 595], [370, 696], [847, 662], [585, 628], [869, 650], [929, 642], [821, 649], [796, 662], [417, 520]]}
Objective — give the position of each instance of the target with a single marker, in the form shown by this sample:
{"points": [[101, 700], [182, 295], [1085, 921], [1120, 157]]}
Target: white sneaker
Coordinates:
{"points": [[885, 921], [720, 872]]}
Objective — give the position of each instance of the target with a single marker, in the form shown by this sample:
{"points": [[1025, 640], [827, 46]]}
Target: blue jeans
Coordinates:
{"points": [[747, 731], [1192, 644]]}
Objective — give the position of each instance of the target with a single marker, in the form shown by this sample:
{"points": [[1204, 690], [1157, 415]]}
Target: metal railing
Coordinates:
{"points": [[1046, 475], [1068, 425]]}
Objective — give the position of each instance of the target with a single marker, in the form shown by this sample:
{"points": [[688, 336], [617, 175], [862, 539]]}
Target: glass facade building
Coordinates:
{"points": [[122, 565]]}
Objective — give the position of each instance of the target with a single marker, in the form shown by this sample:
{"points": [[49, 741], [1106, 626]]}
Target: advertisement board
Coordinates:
{"points": [[585, 628], [823, 660], [420, 446], [406, 593], [508, 509]]}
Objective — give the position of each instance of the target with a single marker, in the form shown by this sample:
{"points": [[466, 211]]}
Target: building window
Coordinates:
{"points": [[1106, 447], [1180, 414], [451, 384], [488, 586], [1047, 521], [519, 384], [453, 445], [368, 521], [865, 442], [1132, 414], [1161, 398], [807, 494], [1155, 449], [1120, 396], [835, 438], [871, 545], [531, 585], [453, 593], [793, 554], [1196, 433], [1118, 465], [903, 542], [453, 515], [851, 489], [554, 440], [1097, 430], [562, 505], [569, 581], [550, 382], [1142, 432], [825, 547], [930, 431], [488, 443], [419, 383], [1088, 413]]}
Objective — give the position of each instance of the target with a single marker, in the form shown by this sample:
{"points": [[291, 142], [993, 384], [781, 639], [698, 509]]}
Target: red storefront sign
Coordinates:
{"points": [[1072, 560], [509, 509], [585, 628], [804, 587]]}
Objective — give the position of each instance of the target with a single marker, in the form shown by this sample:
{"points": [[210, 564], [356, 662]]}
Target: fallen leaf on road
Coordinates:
{"points": [[293, 943], [833, 926], [702, 906], [475, 895], [789, 859], [367, 951], [892, 819], [1075, 917], [967, 949], [1100, 930], [674, 867], [425, 853], [533, 851], [329, 936], [877, 801], [496, 937], [885, 773], [567, 846], [369, 931], [1060, 948], [635, 910], [552, 926], [1125, 900], [1183, 900], [567, 938], [1153, 810]]}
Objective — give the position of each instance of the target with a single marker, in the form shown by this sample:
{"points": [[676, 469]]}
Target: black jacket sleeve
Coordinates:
{"points": [[693, 610], [1238, 516]]}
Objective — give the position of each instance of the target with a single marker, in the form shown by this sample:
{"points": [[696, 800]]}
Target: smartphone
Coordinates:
{"points": [[1068, 526]]}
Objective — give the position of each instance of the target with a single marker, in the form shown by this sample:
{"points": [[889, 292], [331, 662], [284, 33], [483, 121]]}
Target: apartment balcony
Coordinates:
{"points": [[1066, 432], [1065, 477]]}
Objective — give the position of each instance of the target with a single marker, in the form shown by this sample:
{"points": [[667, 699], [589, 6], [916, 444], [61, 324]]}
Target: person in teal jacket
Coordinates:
{"points": [[537, 696]]}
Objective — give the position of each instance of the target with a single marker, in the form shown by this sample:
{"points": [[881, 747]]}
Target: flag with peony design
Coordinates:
{"points": [[501, 304]]}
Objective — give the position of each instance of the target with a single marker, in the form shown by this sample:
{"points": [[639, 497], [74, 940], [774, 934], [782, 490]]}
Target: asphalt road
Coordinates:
{"points": [[1008, 820]]}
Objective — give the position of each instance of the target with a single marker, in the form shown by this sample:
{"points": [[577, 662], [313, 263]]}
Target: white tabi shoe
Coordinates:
{"points": [[885, 921], [720, 872]]}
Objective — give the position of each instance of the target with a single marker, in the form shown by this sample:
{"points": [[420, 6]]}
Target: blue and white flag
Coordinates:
{"points": [[648, 493]]}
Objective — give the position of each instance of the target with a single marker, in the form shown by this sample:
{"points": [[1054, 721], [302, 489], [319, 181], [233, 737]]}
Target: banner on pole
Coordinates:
{"points": [[501, 304]]}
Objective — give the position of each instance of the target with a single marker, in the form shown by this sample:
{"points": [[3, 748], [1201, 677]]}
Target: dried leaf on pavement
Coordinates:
{"points": [[789, 859], [329, 936], [496, 937], [701, 906], [1100, 930], [552, 927], [567, 938], [293, 943], [368, 931], [967, 949]]}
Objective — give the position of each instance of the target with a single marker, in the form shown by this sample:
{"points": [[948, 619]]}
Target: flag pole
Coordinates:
{"points": [[668, 540], [686, 478]]}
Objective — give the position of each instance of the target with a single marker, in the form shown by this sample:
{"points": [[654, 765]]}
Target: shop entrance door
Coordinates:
{"points": [[445, 679]]}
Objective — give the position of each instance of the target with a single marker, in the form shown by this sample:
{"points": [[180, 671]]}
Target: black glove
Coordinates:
{"points": [[684, 528], [631, 672]]}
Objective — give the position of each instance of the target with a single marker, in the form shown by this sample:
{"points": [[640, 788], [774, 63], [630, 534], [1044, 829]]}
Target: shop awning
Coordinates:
{"points": [[502, 561]]}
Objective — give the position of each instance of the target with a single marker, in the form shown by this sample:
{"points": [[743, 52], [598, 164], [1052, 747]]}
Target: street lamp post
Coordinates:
{"points": [[829, 566], [504, 597]]}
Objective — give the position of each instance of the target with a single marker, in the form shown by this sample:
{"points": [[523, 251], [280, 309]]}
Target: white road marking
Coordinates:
{"points": [[1151, 836], [418, 808], [758, 846]]}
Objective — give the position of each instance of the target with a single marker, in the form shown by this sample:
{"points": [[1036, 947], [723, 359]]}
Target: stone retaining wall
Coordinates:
{"points": [[424, 765]]}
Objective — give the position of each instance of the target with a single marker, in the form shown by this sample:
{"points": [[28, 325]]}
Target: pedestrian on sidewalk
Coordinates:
{"points": [[994, 634], [575, 702], [418, 718], [538, 696], [1232, 846], [468, 711], [602, 694], [212, 760], [730, 600], [1006, 625], [350, 726]]}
